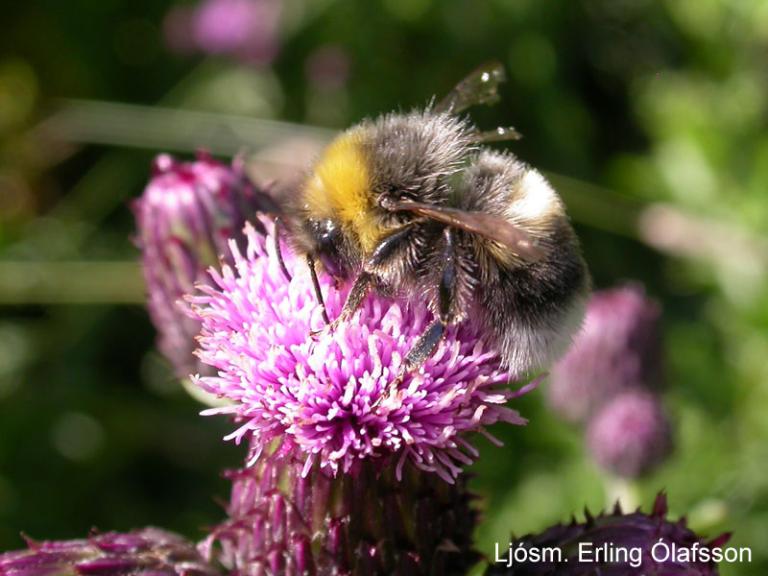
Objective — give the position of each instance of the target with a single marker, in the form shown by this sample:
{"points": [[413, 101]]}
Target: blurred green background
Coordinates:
{"points": [[650, 118]]}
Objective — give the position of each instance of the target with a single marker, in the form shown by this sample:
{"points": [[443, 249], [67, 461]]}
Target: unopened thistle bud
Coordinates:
{"points": [[630, 435], [146, 552], [186, 215], [615, 544], [618, 348]]}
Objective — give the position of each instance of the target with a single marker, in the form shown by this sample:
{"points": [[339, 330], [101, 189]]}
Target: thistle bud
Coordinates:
{"points": [[630, 435], [185, 217], [146, 552], [615, 544], [285, 520], [618, 348]]}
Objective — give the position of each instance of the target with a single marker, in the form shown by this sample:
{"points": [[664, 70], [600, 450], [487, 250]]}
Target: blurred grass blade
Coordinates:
{"points": [[173, 129], [167, 129], [596, 206], [71, 283]]}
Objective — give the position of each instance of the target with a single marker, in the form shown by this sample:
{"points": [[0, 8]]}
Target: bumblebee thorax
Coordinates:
{"points": [[340, 188]]}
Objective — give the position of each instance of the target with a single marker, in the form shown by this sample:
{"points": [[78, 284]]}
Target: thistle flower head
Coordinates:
{"points": [[145, 552], [631, 434], [618, 531], [618, 348], [325, 397], [184, 218]]}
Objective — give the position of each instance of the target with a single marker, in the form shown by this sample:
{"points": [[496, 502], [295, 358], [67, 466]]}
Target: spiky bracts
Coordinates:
{"points": [[145, 552], [368, 522], [617, 536]]}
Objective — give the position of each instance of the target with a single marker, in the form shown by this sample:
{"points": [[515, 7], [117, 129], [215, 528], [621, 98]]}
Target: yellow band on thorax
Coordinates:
{"points": [[340, 188]]}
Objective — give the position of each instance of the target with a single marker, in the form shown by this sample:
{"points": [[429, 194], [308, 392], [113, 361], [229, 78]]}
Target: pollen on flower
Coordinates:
{"points": [[324, 397]]}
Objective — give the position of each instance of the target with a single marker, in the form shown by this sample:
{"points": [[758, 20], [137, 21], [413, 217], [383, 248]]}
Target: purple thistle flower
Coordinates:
{"points": [[282, 521], [631, 434], [145, 552], [615, 532], [325, 399], [618, 348], [184, 218], [245, 29]]}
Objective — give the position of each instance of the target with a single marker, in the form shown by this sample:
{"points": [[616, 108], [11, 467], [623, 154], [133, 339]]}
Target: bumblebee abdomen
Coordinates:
{"points": [[533, 310], [530, 308]]}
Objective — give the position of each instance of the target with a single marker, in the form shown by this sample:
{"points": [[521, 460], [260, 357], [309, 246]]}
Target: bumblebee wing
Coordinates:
{"points": [[490, 226], [500, 134], [480, 87]]}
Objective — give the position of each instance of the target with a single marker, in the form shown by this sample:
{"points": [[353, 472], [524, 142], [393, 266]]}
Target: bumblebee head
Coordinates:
{"points": [[329, 246]]}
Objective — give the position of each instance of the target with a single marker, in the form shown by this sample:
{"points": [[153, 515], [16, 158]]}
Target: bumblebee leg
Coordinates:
{"points": [[316, 286], [383, 251], [278, 250], [427, 343], [446, 288], [446, 295], [356, 295], [387, 248], [421, 350], [424, 347]]}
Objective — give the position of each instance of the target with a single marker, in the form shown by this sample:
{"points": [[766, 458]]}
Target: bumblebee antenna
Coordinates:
{"points": [[279, 251], [316, 286]]}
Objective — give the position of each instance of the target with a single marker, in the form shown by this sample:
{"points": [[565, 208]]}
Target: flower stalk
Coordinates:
{"points": [[368, 522]]}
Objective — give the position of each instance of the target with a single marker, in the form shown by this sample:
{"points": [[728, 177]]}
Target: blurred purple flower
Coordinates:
{"points": [[327, 68], [614, 533], [618, 348], [325, 399], [281, 521], [177, 29], [184, 218], [631, 434], [146, 552], [245, 29]]}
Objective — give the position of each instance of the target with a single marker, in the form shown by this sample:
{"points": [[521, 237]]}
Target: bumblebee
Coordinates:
{"points": [[412, 204]]}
